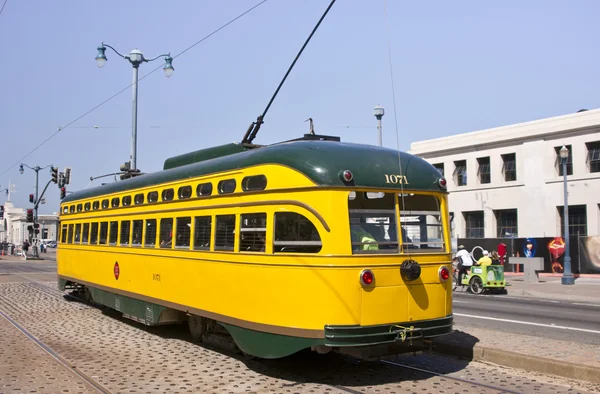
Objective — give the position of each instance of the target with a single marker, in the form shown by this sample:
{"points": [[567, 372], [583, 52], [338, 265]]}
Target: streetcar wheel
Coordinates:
{"points": [[476, 285], [197, 327]]}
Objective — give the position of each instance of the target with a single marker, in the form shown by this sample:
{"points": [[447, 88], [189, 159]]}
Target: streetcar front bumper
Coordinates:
{"points": [[342, 336]]}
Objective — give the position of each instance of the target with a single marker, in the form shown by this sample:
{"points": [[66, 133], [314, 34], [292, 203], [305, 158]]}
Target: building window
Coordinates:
{"points": [[460, 172], [474, 224], [483, 170], [439, 167], [558, 162], [506, 223], [593, 156], [509, 167], [577, 220]]}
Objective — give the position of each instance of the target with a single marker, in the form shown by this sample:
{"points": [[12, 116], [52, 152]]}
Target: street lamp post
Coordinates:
{"points": [[36, 201], [378, 112], [567, 278], [135, 57]]}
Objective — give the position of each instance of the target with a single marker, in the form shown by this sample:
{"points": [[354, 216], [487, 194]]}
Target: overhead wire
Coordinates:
{"points": [[3, 5], [387, 26], [127, 87]]}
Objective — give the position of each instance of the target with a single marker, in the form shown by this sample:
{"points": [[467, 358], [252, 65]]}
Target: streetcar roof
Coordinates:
{"points": [[321, 161]]}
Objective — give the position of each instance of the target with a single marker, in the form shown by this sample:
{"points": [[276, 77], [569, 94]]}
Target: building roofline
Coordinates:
{"points": [[498, 135]]}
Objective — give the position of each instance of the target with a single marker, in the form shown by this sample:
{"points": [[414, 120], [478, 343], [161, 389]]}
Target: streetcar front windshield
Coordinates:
{"points": [[376, 217]]}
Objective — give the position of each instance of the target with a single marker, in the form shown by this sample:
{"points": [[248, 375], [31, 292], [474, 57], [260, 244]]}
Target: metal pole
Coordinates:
{"points": [[133, 156], [35, 211], [379, 138], [567, 278]]}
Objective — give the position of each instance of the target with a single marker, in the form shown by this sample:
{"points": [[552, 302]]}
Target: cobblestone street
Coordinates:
{"points": [[89, 350]]}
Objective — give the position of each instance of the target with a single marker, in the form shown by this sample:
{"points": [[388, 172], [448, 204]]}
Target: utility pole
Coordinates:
{"points": [[35, 201]]}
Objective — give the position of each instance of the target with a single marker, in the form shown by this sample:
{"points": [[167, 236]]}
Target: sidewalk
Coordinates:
{"points": [[554, 357], [585, 289]]}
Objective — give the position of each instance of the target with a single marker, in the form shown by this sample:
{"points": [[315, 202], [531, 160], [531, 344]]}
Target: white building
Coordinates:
{"points": [[507, 181], [13, 225]]}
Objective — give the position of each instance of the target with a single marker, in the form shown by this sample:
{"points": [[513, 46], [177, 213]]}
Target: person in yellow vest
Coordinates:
{"points": [[485, 259], [360, 235]]}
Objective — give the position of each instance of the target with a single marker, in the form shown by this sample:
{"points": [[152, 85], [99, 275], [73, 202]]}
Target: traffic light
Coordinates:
{"points": [[54, 173], [67, 175], [63, 192], [61, 179], [31, 198], [30, 215]]}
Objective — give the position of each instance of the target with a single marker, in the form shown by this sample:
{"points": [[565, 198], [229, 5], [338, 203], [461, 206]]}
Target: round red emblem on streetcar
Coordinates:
{"points": [[116, 270]]}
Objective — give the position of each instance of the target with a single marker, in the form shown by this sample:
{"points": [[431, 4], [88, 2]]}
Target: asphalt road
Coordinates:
{"points": [[570, 321]]}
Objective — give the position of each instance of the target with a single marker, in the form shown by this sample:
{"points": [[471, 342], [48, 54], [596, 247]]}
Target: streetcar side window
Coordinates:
{"points": [[87, 206], [103, 233], [168, 194], [226, 186], [65, 209], [126, 201], [255, 182], [295, 233], [421, 221], [225, 232], [373, 224], [105, 204], [125, 227], [63, 237], [94, 234], [77, 233], [70, 239], [204, 189], [150, 239], [166, 233], [136, 233], [153, 197], [113, 233], [115, 202], [184, 192], [253, 231], [79, 207], [85, 233], [96, 205], [202, 228], [72, 209], [184, 228], [139, 199]]}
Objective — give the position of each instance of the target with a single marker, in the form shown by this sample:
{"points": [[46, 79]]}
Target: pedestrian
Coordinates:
{"points": [[25, 248], [485, 259], [495, 258], [465, 262]]}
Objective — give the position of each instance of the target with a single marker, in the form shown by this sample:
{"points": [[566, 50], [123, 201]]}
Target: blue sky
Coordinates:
{"points": [[458, 66]]}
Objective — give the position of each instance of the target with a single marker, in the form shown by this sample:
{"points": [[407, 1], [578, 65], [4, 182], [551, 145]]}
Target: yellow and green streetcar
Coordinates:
{"points": [[305, 244]]}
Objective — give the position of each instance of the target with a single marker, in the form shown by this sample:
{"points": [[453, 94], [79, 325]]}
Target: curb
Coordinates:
{"points": [[522, 361]]}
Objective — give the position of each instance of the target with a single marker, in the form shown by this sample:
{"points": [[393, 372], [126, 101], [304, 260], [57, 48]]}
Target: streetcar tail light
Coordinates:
{"points": [[444, 273], [367, 277], [347, 176]]}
